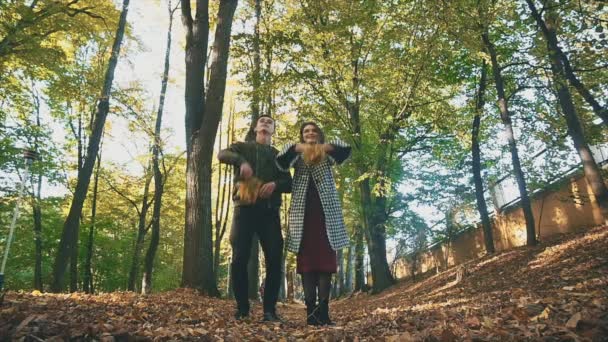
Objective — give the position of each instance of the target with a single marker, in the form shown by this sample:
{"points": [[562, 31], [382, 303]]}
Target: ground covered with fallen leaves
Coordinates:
{"points": [[557, 291]]}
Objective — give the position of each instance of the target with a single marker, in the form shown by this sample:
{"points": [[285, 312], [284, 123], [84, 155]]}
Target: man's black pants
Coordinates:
{"points": [[264, 222]]}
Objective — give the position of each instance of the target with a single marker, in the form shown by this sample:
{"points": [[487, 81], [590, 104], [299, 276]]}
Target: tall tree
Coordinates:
{"points": [[202, 120], [222, 198], [197, 31], [142, 227], [476, 167], [213, 112], [72, 222], [359, 257], [159, 182], [87, 279], [253, 265], [508, 127], [37, 199], [255, 72], [567, 72], [591, 170]]}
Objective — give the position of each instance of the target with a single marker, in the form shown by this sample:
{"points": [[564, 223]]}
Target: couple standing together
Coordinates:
{"points": [[316, 225]]}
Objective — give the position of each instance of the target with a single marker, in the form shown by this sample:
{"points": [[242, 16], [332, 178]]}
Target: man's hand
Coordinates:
{"points": [[246, 170], [267, 189]]}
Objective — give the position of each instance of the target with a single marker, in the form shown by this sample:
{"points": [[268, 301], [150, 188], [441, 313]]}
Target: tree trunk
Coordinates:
{"points": [[74, 255], [253, 265], [36, 199], [230, 292], [338, 285], [197, 31], [548, 31], [159, 183], [376, 238], [74, 261], [222, 201], [290, 284], [359, 271], [87, 281], [142, 230], [592, 171], [481, 202], [38, 236], [505, 116], [134, 270], [348, 283], [213, 113], [255, 77], [72, 223]]}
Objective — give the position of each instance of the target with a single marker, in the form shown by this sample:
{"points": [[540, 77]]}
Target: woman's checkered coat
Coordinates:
{"points": [[326, 186]]}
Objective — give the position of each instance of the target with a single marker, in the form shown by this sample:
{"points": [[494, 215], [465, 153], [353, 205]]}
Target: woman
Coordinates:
{"points": [[316, 225]]}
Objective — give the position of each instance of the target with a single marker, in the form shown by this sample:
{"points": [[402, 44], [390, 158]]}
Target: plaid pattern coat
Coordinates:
{"points": [[323, 177]]}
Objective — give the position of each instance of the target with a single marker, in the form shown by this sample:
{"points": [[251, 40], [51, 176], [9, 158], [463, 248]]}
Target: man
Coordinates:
{"points": [[257, 159]]}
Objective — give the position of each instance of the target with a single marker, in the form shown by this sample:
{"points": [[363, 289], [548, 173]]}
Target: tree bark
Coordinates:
{"points": [[36, 200], [222, 200], [505, 116], [197, 31], [359, 271], [38, 236], [142, 230], [348, 282], [338, 284], [592, 171], [481, 202], [74, 261], [290, 285], [256, 73], [159, 182], [87, 281], [567, 71], [213, 113], [376, 239], [72, 223]]}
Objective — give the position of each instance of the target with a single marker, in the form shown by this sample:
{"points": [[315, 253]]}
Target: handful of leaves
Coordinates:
{"points": [[248, 190], [313, 153]]}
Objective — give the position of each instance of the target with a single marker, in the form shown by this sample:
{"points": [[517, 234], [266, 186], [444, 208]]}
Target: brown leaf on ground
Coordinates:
{"points": [[557, 291]]}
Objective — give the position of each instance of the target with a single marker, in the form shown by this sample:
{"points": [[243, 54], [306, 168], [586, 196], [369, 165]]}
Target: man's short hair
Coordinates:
{"points": [[265, 116]]}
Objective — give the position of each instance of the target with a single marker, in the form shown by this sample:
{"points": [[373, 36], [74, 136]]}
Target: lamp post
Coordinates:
{"points": [[29, 156]]}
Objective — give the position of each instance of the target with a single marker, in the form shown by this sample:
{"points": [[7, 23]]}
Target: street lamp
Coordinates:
{"points": [[29, 156]]}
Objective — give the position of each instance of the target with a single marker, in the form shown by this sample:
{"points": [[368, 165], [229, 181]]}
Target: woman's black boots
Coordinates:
{"points": [[324, 313], [312, 313]]}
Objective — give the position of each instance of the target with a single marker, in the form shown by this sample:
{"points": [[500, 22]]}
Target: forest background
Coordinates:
{"points": [[439, 100]]}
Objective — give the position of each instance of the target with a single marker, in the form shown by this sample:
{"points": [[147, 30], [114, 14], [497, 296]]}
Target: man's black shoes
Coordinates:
{"points": [[271, 317], [240, 315]]}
